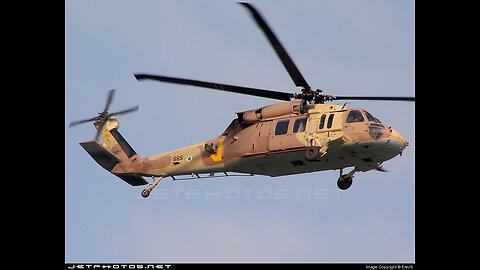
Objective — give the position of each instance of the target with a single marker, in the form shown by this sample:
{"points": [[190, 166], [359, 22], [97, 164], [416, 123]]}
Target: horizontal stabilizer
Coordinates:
{"points": [[101, 155], [132, 179], [108, 161]]}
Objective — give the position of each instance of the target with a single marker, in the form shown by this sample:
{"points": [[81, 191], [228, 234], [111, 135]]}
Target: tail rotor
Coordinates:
{"points": [[103, 117]]}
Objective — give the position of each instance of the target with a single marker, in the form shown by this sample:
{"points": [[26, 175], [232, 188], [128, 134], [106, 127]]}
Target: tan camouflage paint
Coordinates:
{"points": [[250, 146]]}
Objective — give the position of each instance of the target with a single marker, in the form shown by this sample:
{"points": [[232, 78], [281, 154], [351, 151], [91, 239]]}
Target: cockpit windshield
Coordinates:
{"points": [[354, 116], [371, 118]]}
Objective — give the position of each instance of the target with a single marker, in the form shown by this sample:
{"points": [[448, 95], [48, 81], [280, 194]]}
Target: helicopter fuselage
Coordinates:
{"points": [[274, 141]]}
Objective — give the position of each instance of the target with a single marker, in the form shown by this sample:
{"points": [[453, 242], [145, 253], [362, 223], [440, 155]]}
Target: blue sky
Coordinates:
{"points": [[346, 47]]}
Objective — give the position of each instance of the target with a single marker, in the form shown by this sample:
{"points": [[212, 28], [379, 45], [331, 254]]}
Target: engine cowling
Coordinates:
{"points": [[272, 111]]}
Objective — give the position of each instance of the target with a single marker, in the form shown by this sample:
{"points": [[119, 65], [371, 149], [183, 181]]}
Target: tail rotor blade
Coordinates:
{"points": [[133, 109], [102, 118], [99, 129], [74, 123], [109, 100]]}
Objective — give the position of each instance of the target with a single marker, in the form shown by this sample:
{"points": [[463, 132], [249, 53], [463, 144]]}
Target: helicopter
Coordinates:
{"points": [[301, 134]]}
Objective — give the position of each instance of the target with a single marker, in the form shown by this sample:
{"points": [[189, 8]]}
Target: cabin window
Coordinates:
{"points": [[330, 121], [371, 118], [355, 116], [299, 125], [322, 122], [282, 127]]}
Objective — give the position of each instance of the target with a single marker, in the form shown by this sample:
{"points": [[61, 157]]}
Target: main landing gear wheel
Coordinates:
{"points": [[346, 180], [312, 153]]}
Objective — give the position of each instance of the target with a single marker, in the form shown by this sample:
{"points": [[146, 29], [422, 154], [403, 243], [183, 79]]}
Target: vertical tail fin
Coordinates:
{"points": [[127, 149]]}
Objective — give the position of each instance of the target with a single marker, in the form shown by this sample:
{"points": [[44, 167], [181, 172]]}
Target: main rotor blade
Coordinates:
{"points": [[109, 100], [277, 46], [218, 86], [74, 123], [132, 109], [374, 98]]}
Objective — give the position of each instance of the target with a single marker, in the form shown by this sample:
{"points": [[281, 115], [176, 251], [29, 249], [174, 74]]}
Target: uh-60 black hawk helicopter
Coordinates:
{"points": [[300, 135]]}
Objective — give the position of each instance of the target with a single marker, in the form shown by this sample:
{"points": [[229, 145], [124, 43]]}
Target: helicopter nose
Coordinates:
{"points": [[397, 142]]}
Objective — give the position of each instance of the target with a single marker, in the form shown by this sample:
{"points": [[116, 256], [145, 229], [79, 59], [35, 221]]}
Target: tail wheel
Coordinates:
{"points": [[146, 193], [344, 182]]}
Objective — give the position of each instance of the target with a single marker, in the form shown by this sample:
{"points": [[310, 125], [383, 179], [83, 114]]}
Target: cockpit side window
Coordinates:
{"points": [[355, 116], [371, 118], [299, 125], [322, 122], [330, 120]]}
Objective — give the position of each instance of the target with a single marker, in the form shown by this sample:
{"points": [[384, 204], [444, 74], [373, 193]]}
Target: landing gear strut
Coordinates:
{"points": [[313, 153], [146, 192], [346, 180]]}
